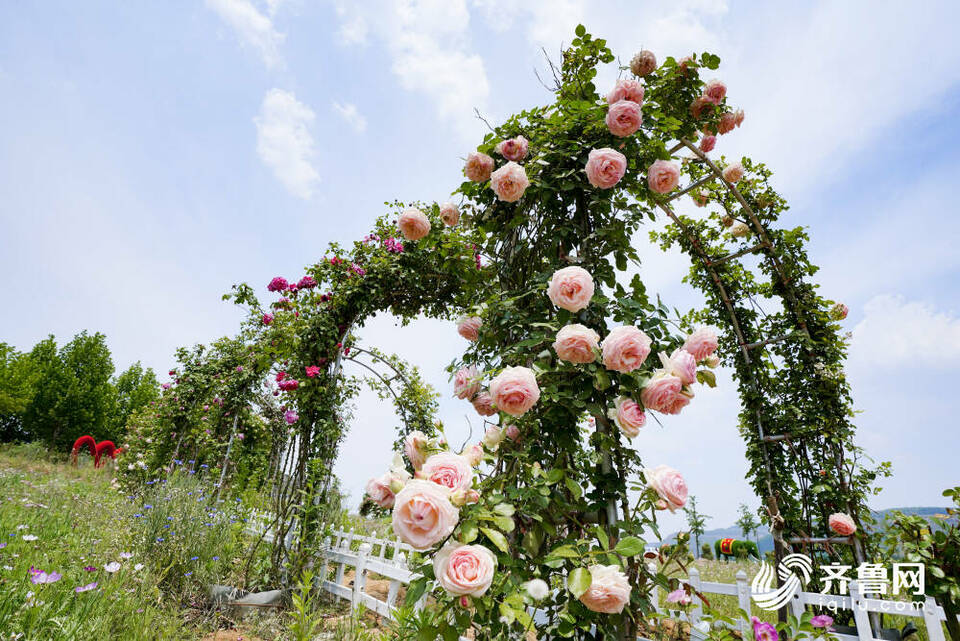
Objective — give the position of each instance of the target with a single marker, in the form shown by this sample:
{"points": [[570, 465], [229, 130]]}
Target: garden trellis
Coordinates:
{"points": [[538, 267]]}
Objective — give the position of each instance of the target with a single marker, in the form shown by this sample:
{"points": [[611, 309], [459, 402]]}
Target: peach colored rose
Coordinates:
{"points": [[738, 117], [625, 349], [733, 173], [483, 403], [576, 344], [699, 106], [449, 214], [449, 470], [493, 437], [415, 447], [681, 364], [684, 62], [605, 167], [643, 63], [464, 570], [513, 149], [413, 224], [712, 361], [512, 432], [664, 393], [740, 230], [478, 167], [466, 382], [571, 288], [839, 311], [701, 197], [624, 118], [663, 176], [701, 343], [423, 514], [473, 454], [469, 327], [378, 489], [707, 143], [715, 91], [515, 390], [628, 415], [668, 484], [509, 182], [842, 524], [727, 122], [609, 590]]}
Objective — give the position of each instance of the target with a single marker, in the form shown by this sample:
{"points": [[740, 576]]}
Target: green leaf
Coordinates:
{"points": [[574, 488], [629, 546], [468, 531], [579, 581], [532, 541], [496, 538], [416, 590], [707, 376], [602, 537], [505, 509], [581, 31], [507, 613], [565, 552], [554, 475], [505, 523]]}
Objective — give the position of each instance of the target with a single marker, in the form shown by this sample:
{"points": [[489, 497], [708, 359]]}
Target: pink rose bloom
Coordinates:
{"points": [[513, 149], [464, 570], [738, 117], [701, 343], [679, 596], [413, 224], [707, 143], [571, 288], [605, 167], [663, 176], [626, 89], [681, 364], [515, 390], [715, 91], [643, 63], [727, 122], [668, 484], [483, 403], [423, 514], [624, 118], [609, 590], [267, 319], [415, 447], [842, 524], [378, 489], [512, 432], [576, 344], [478, 167], [733, 173], [509, 182], [700, 197], [625, 349], [449, 470], [469, 326], [628, 415], [466, 382], [664, 393], [473, 454], [449, 214], [493, 437], [839, 311]]}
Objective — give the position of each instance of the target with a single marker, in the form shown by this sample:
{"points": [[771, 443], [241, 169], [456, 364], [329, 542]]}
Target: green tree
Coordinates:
{"points": [[136, 387], [16, 390], [696, 521], [747, 522]]}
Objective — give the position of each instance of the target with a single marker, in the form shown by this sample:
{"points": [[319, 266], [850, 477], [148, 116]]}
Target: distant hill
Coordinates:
{"points": [[765, 541]]}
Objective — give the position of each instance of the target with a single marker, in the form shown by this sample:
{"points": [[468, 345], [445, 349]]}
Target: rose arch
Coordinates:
{"points": [[570, 356]]}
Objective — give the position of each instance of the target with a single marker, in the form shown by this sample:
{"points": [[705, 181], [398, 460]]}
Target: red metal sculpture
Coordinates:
{"points": [[87, 442]]}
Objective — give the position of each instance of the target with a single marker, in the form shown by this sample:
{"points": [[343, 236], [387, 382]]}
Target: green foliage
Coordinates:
{"points": [[747, 521], [696, 521]]}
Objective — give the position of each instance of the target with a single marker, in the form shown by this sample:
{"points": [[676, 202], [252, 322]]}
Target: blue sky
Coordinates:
{"points": [[153, 154]]}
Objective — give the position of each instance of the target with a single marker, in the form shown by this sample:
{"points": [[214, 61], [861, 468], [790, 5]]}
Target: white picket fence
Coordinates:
{"points": [[371, 556]]}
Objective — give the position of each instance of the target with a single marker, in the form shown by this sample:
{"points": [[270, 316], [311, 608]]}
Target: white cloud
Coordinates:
{"points": [[428, 42], [252, 27], [905, 334], [284, 141], [348, 111]]}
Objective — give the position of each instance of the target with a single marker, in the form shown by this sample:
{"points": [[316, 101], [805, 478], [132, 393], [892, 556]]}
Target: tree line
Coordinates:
{"points": [[55, 394]]}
